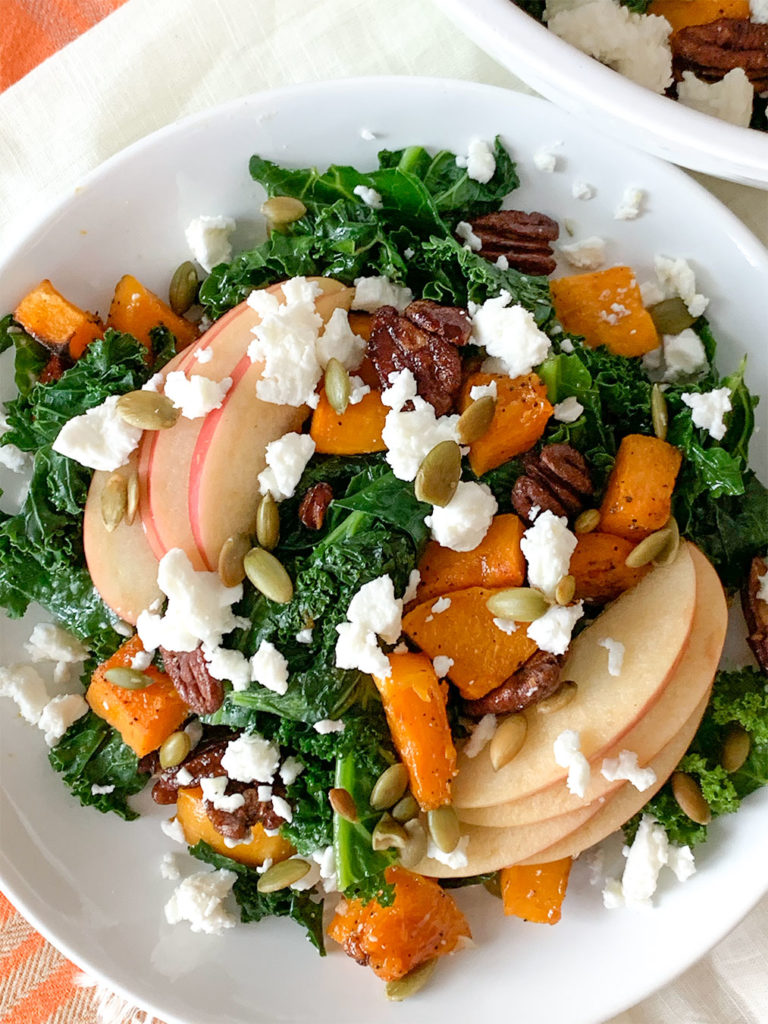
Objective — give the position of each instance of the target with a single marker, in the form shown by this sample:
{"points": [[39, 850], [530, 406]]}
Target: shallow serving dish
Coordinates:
{"points": [[608, 101], [92, 884]]}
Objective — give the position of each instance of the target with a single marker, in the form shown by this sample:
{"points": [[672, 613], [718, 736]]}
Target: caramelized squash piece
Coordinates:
{"points": [[356, 431], [597, 565], [56, 322], [683, 13], [136, 310], [535, 892], [638, 496]]}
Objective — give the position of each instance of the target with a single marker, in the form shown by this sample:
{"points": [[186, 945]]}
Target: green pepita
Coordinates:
{"points": [[668, 553], [282, 210], [518, 604], [411, 983], [565, 590], [267, 574], [415, 849], [342, 803], [389, 787], [281, 875], [670, 316], [476, 419], [588, 521], [231, 566], [127, 678], [132, 497], [114, 501], [405, 809], [182, 291], [560, 699], [659, 413], [648, 549], [439, 474], [508, 740], [388, 834], [443, 824], [690, 799], [736, 747], [174, 749], [493, 885], [147, 410], [268, 523], [337, 386]]}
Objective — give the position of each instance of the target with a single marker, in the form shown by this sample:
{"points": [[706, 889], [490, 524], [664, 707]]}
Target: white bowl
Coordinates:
{"points": [[611, 103]]}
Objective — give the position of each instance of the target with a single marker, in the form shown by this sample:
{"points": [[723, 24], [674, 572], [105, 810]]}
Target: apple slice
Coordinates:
{"points": [[122, 565], [660, 607], [686, 688]]}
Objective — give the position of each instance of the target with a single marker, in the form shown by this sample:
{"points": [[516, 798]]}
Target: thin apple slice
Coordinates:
{"points": [[660, 607], [121, 563], [684, 691]]}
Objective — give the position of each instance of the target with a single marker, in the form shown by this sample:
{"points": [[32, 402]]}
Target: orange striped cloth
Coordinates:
{"points": [[34, 29]]}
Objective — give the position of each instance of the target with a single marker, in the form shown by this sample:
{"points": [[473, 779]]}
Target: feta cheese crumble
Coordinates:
{"points": [[328, 725], [464, 521], [99, 439], [339, 341], [49, 642], [369, 196], [373, 611], [569, 410], [413, 586], [588, 254], [281, 806], [226, 664], [269, 668], [442, 665], [583, 190], [213, 791], [507, 626], [615, 654], [199, 899], [479, 161], [545, 159], [547, 547], [169, 867], [567, 751], [197, 395], [509, 335], [467, 235], [97, 790], [708, 410], [482, 734], [676, 279], [631, 204], [442, 604], [290, 770], [409, 436], [251, 758], [552, 631], [625, 767], [478, 391], [731, 99], [13, 458], [26, 687], [682, 355], [287, 458], [456, 859], [373, 292], [59, 713], [208, 240], [649, 853]]}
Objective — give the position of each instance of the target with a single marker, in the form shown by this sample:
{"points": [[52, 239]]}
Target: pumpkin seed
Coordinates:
{"points": [[648, 549], [268, 523], [388, 833], [267, 574], [410, 983], [561, 698], [415, 849], [282, 210], [231, 566], [443, 824], [690, 799], [565, 590], [659, 413], [588, 521], [668, 553], [182, 291], [127, 678], [342, 802], [439, 474], [147, 410], [670, 316], [132, 497], [389, 787], [281, 875], [518, 604], [736, 747], [493, 885], [174, 749], [337, 386], [114, 502], [405, 809], [508, 740], [476, 419]]}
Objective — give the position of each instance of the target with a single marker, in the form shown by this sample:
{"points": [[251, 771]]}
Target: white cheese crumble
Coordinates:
{"points": [[569, 410], [482, 734], [14, 458], [442, 604], [251, 758], [328, 725], [410, 435], [208, 240], [547, 547], [213, 791], [373, 292], [509, 335], [552, 632], [339, 341], [708, 410], [567, 751], [197, 395], [199, 900], [413, 586], [468, 236], [184, 777], [171, 827], [141, 660], [287, 458], [442, 665], [26, 687], [456, 859], [566, 345], [269, 667], [99, 439], [478, 391], [588, 254], [49, 642], [231, 665], [59, 713], [684, 354], [545, 159], [508, 626], [625, 767], [649, 853], [369, 196], [290, 770], [631, 204], [479, 161], [502, 262], [304, 636], [97, 790], [367, 135], [199, 608], [464, 521], [731, 99], [583, 190], [264, 794], [677, 279], [758, 10], [357, 647], [283, 808], [169, 867], [376, 608], [204, 355], [615, 654]]}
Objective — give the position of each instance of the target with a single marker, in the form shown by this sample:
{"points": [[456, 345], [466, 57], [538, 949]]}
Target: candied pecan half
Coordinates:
{"points": [[523, 238], [557, 478], [397, 343], [538, 678], [194, 683], [451, 322], [714, 49], [237, 824], [756, 612], [314, 505], [203, 762]]}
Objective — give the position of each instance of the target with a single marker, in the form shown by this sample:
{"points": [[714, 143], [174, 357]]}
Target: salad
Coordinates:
{"points": [[362, 540], [710, 56]]}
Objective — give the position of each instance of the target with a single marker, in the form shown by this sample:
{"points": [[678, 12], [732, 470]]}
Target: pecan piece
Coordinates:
{"points": [[237, 824], [397, 343], [557, 478], [450, 322], [314, 505], [203, 762], [522, 238], [194, 683], [538, 678], [714, 49], [756, 612]]}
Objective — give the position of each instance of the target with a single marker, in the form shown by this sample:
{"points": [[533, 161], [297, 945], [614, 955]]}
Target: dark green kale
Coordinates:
{"points": [[92, 753], [30, 356]]}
